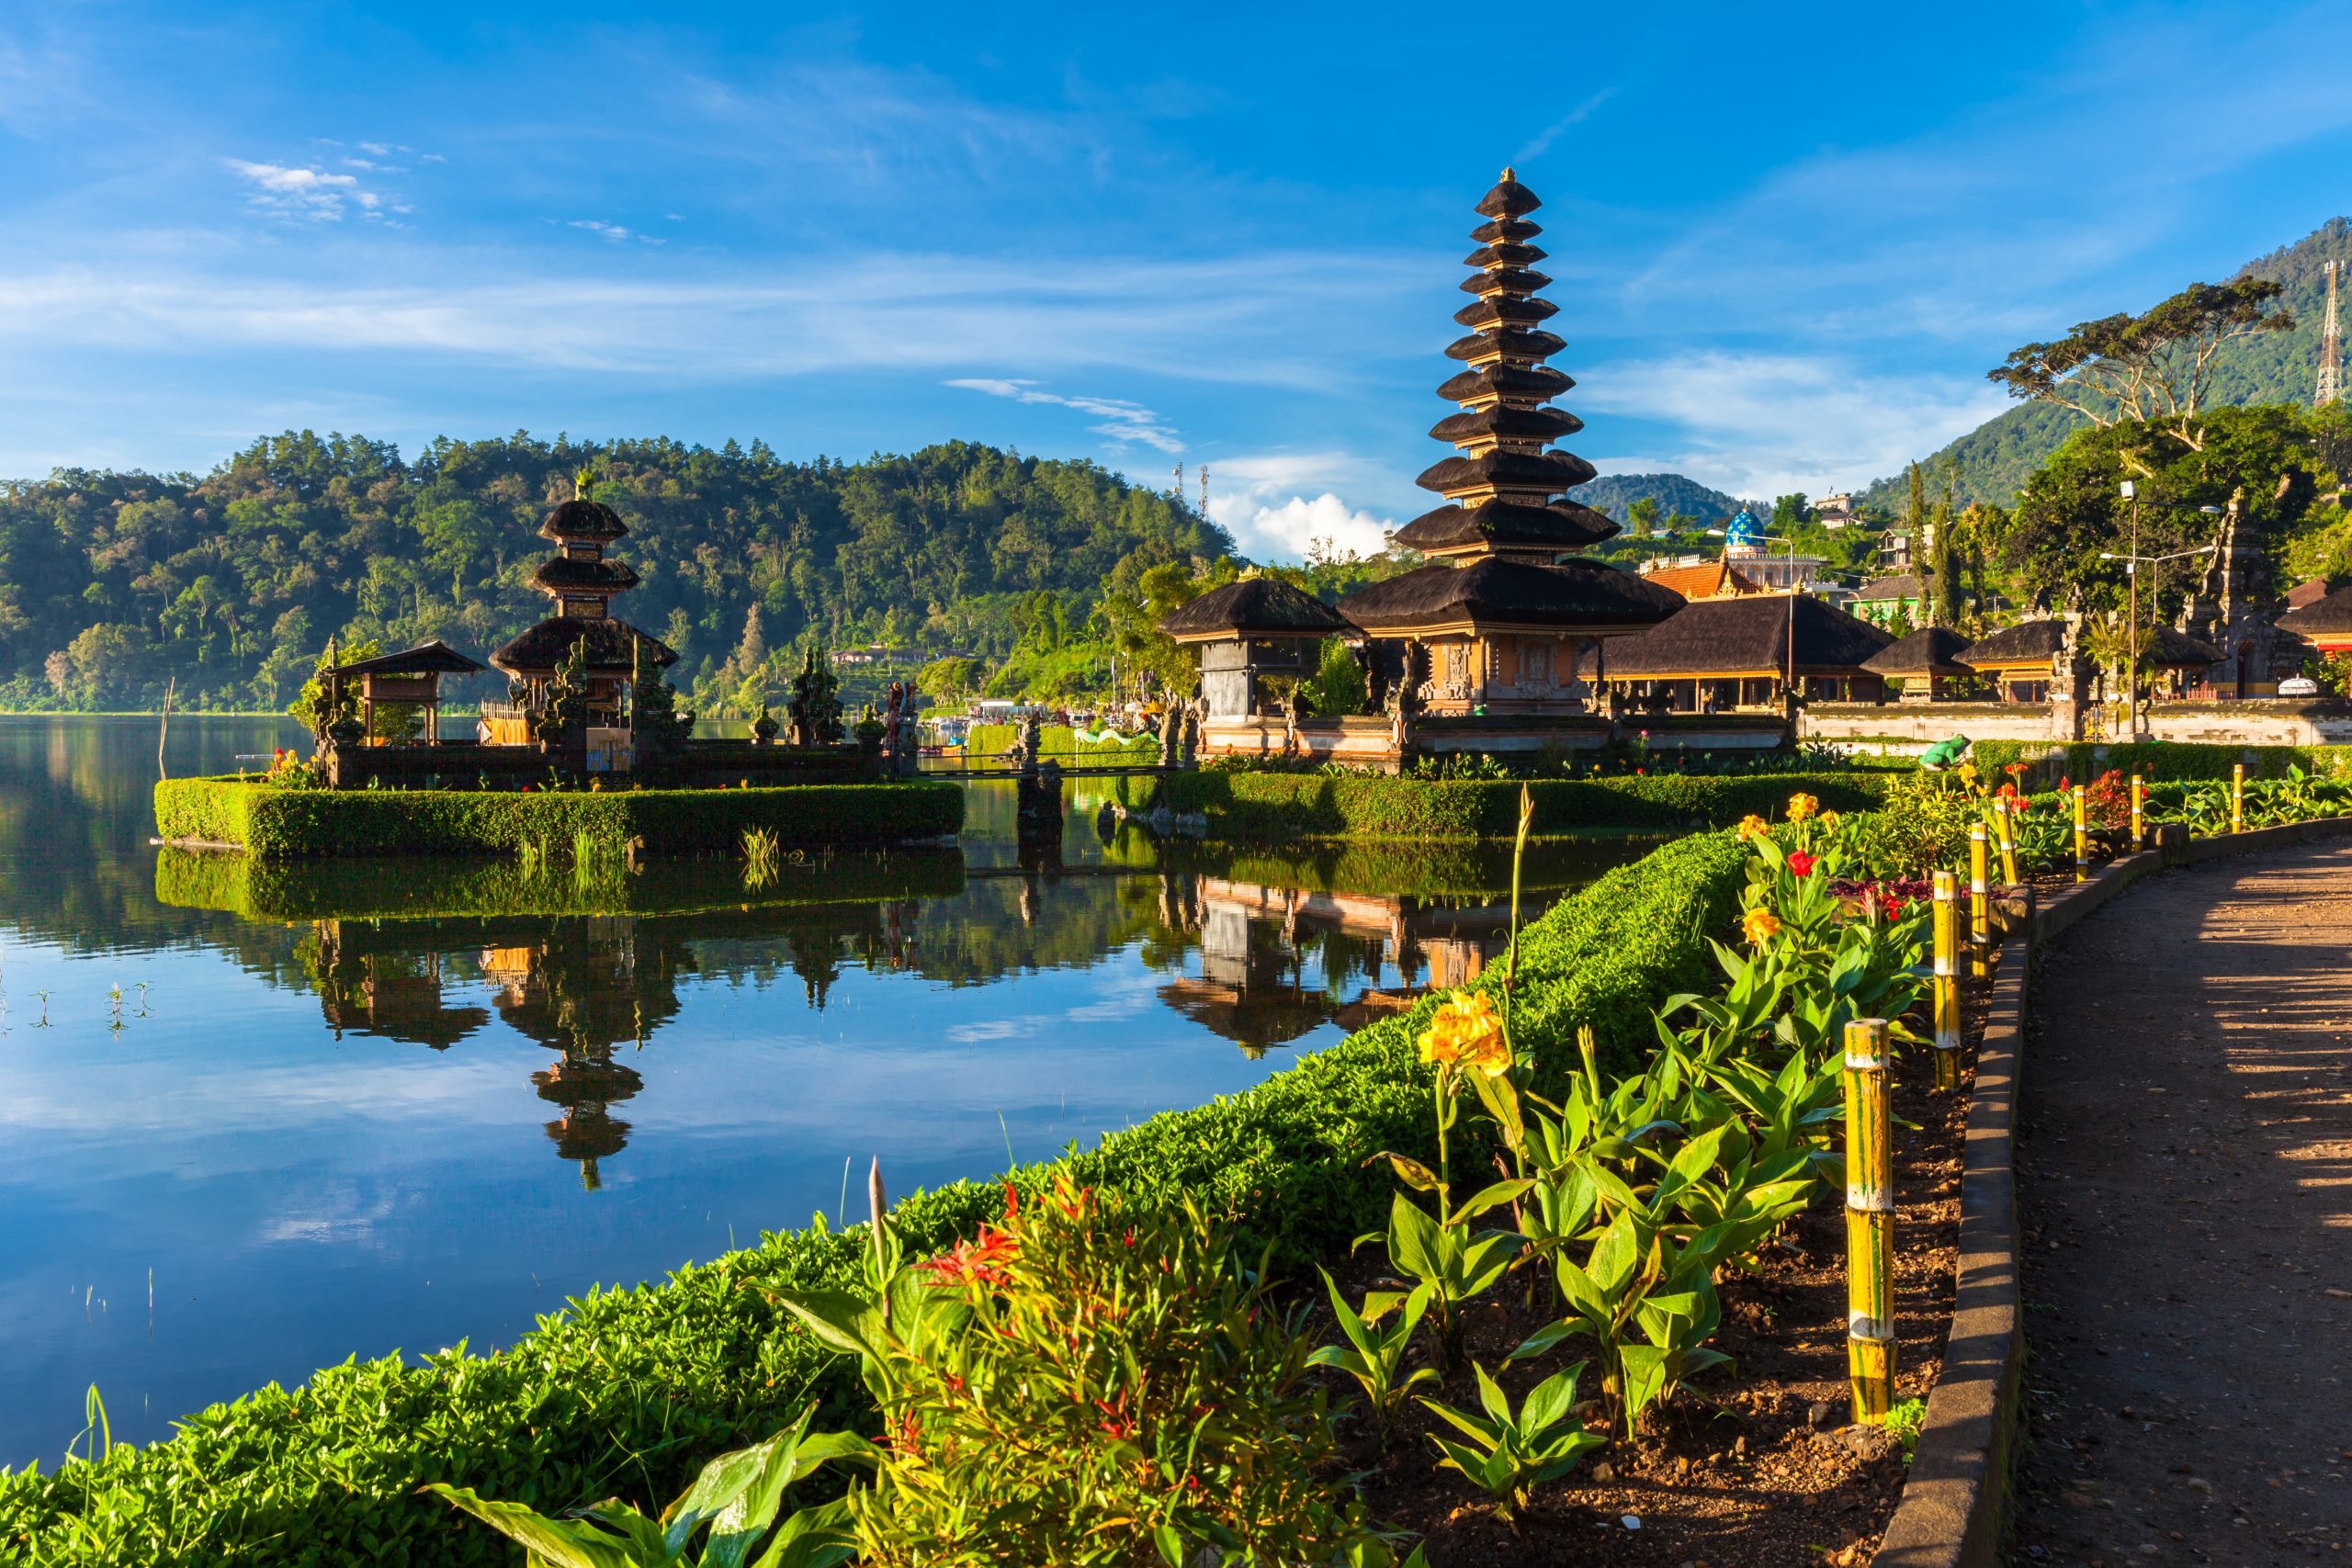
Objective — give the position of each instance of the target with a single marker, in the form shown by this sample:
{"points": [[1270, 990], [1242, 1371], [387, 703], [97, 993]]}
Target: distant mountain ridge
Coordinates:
{"points": [[1612, 493], [1993, 460]]}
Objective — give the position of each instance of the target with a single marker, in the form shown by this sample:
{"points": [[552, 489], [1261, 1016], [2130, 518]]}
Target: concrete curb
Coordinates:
{"points": [[1954, 1506]]}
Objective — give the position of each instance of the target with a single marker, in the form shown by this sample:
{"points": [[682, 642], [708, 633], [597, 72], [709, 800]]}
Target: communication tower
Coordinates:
{"points": [[1204, 487], [2331, 347]]}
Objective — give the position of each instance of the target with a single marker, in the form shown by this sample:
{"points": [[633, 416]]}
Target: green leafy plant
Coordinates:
{"points": [[735, 1499], [1375, 1356], [1090, 1381], [1508, 1453]]}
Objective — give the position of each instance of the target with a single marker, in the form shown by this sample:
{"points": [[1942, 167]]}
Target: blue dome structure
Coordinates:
{"points": [[1743, 528]]}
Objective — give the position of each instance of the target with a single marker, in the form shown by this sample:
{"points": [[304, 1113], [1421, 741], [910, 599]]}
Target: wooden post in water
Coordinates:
{"points": [[1945, 985], [163, 730], [1870, 1223], [1980, 903], [2237, 799], [2082, 834]]}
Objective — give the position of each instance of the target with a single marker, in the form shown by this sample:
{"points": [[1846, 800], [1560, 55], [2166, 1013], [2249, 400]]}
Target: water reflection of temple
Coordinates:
{"points": [[1255, 942], [582, 993], [367, 988]]}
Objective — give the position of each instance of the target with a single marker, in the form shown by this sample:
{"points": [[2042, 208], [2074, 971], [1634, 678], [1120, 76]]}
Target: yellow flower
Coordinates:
{"points": [[1752, 826], [1760, 926], [1466, 1032], [1801, 807], [1829, 818]]}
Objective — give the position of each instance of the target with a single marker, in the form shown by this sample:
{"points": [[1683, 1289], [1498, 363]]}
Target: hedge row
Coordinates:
{"points": [[1276, 807], [279, 890], [2171, 760], [271, 821], [628, 1392]]}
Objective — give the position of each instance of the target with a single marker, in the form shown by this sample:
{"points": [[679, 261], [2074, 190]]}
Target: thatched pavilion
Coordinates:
{"points": [[1251, 628], [408, 680], [2023, 661], [1923, 662], [1723, 655], [1495, 623]]}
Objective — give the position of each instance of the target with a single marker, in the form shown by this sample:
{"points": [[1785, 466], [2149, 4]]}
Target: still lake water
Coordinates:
{"points": [[254, 1121]]}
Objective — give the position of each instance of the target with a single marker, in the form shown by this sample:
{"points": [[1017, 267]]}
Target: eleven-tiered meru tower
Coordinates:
{"points": [[1497, 622]]}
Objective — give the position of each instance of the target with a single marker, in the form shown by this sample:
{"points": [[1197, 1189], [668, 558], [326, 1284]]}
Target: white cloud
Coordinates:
{"points": [[1124, 422], [1766, 424], [614, 231], [1552, 132], [287, 191], [1277, 504]]}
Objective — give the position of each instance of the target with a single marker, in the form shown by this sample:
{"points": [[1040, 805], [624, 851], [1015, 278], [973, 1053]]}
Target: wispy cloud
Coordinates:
{"points": [[289, 191], [1552, 132], [1124, 422], [614, 231]]}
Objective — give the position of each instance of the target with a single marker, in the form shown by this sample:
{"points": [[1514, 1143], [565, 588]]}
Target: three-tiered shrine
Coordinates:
{"points": [[582, 581], [1497, 622]]}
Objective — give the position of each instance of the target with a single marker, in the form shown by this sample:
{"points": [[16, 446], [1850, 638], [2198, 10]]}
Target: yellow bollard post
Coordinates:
{"points": [[2005, 819], [1980, 905], [2237, 799], [2139, 812], [1945, 986], [2082, 835], [1870, 1223]]}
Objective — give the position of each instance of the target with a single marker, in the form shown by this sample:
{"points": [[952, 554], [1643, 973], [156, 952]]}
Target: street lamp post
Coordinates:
{"points": [[1789, 675], [2133, 560]]}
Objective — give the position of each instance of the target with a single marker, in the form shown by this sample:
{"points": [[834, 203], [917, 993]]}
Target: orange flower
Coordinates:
{"points": [[979, 1262], [1760, 927], [1752, 826], [1801, 807], [1466, 1033]]}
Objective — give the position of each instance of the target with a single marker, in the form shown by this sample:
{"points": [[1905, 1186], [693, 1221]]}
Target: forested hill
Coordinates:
{"points": [[1612, 493], [1992, 461], [112, 584]]}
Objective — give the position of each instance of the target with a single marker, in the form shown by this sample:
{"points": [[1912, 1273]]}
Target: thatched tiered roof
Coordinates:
{"points": [[1506, 593], [1502, 490], [1747, 639], [1504, 517], [434, 658], [612, 647], [1930, 650], [584, 520], [2165, 648], [1253, 609], [2028, 645]]}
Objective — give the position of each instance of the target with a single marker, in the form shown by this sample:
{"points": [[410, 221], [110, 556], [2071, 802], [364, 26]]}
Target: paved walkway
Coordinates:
{"points": [[2185, 1187]]}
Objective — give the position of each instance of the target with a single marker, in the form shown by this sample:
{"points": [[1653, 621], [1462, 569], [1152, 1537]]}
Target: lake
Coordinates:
{"points": [[257, 1120]]}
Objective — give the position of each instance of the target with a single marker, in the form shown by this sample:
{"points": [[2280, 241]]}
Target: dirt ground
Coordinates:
{"points": [[1748, 1469], [2185, 1189]]}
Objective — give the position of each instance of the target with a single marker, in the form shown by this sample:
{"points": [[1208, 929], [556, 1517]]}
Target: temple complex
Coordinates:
{"points": [[2235, 611], [1494, 623]]}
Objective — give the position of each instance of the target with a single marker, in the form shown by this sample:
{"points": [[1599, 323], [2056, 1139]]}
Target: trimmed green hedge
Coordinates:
{"points": [[1279, 806], [275, 891], [270, 821], [628, 1392], [2154, 760]]}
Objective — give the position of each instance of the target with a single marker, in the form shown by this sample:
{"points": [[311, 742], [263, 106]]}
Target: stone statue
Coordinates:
{"points": [[1190, 753], [1171, 734], [1030, 745]]}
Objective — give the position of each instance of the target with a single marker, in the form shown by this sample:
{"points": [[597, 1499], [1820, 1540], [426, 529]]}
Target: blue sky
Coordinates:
{"points": [[1787, 241]]}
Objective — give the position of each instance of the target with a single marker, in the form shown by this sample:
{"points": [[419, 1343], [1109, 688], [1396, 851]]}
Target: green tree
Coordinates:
{"points": [[2152, 370], [1791, 514], [1641, 516]]}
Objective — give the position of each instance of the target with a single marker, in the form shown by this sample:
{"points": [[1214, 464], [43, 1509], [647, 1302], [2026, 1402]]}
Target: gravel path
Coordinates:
{"points": [[2185, 1187]]}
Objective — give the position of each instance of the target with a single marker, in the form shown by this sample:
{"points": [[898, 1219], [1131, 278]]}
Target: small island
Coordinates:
{"points": [[589, 755]]}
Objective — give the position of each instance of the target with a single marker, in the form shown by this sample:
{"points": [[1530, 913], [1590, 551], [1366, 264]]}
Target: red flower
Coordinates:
{"points": [[1800, 863], [978, 1262]]}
